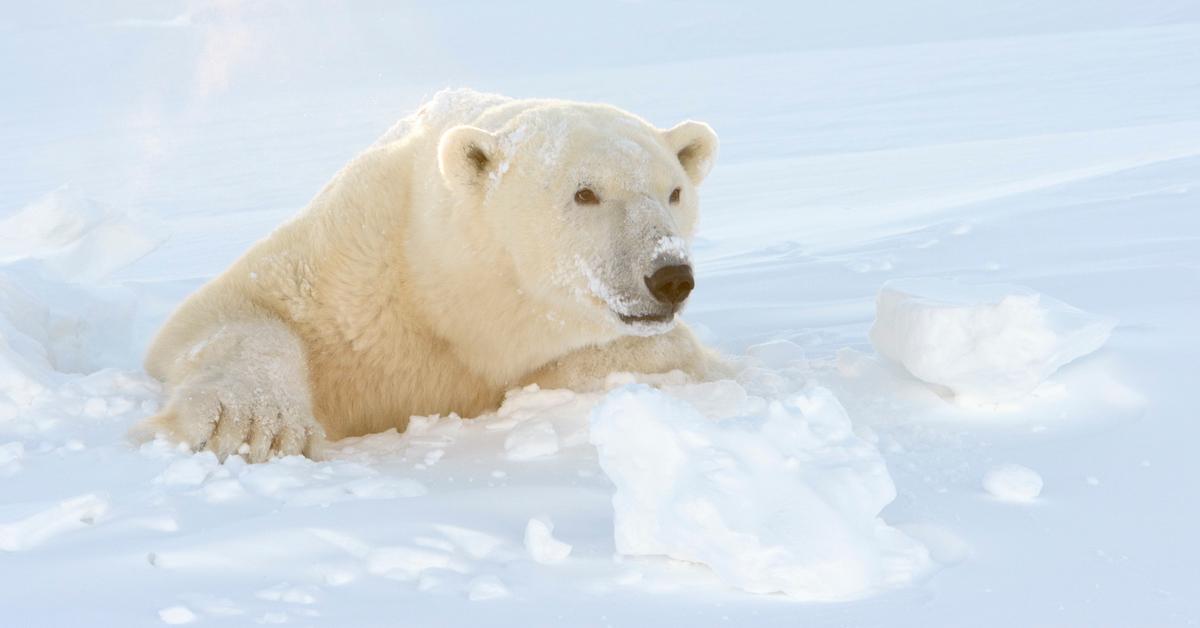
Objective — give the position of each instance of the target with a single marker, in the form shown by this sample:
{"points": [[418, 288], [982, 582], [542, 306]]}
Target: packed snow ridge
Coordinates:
{"points": [[985, 343], [781, 497]]}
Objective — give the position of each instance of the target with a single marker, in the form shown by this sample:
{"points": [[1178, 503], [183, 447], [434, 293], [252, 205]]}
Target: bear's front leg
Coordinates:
{"points": [[678, 349], [243, 388]]}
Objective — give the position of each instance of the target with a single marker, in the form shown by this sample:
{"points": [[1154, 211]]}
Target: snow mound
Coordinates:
{"points": [[58, 315], [986, 342], [24, 364], [1013, 483], [69, 515], [533, 439], [782, 500], [487, 587], [49, 327], [71, 237]]}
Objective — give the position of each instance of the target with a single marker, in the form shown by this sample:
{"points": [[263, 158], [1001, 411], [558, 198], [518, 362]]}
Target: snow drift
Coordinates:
{"points": [[71, 237]]}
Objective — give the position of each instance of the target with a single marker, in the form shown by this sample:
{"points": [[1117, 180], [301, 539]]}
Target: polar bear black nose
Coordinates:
{"points": [[671, 284]]}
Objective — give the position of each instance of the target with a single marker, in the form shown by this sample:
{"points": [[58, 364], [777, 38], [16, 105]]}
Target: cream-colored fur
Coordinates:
{"points": [[448, 263]]}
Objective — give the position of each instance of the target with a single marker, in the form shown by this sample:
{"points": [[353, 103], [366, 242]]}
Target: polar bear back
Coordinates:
{"points": [[447, 108]]}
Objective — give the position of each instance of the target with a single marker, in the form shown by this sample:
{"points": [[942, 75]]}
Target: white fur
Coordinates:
{"points": [[443, 266]]}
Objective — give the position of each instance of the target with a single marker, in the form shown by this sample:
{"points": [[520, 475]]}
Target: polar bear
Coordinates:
{"points": [[482, 243]]}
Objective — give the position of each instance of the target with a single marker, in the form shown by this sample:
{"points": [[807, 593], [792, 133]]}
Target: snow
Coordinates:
{"points": [[541, 544], [487, 587], [672, 245], [74, 237], [72, 514], [785, 498], [1051, 147], [984, 342], [1013, 483], [177, 615], [532, 439], [10, 457]]}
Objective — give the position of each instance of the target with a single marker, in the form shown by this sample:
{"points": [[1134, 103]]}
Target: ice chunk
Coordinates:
{"points": [[786, 500], [1013, 483], [985, 342], [541, 544]]}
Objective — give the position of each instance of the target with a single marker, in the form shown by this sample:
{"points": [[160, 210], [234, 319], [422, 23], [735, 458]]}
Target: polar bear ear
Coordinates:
{"points": [[695, 143], [466, 155]]}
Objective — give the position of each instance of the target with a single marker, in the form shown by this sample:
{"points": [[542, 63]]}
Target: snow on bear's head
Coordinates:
{"points": [[594, 207]]}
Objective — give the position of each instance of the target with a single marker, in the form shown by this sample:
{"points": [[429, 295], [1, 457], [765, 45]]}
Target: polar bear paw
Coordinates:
{"points": [[229, 416]]}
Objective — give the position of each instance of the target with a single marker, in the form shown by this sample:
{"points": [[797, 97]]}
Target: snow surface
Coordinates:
{"points": [[1052, 146], [982, 342]]}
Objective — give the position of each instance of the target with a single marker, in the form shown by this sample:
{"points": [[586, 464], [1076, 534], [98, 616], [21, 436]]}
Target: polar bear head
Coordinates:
{"points": [[594, 208]]}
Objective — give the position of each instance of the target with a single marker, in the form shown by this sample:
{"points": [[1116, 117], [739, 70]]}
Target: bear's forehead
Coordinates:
{"points": [[611, 144], [583, 122], [620, 152]]}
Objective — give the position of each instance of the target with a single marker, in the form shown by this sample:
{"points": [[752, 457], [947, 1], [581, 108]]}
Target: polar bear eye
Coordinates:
{"points": [[585, 196], [674, 196]]}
